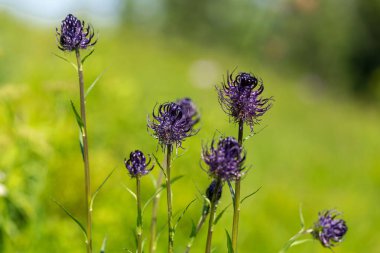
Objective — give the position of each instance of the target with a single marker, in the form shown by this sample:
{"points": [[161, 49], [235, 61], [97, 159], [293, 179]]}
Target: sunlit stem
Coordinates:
{"points": [[85, 153], [235, 222], [292, 240], [169, 150], [213, 207], [139, 228], [153, 224]]}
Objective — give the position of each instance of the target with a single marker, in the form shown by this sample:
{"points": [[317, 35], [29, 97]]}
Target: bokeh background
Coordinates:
{"points": [[318, 146]]}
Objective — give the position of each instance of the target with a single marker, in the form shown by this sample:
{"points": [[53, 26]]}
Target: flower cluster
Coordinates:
{"points": [[173, 122], [225, 161], [240, 98], [329, 230], [74, 34], [136, 164]]}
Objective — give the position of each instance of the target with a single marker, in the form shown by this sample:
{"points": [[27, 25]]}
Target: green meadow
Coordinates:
{"points": [[318, 147]]}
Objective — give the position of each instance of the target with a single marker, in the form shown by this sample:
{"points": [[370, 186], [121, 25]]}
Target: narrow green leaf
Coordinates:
{"points": [[232, 191], [172, 181], [80, 138], [85, 58], [72, 217], [300, 242], [301, 217], [229, 243], [183, 213], [159, 165], [217, 218], [93, 83], [77, 117], [104, 244], [131, 192], [67, 60], [249, 195], [100, 187], [193, 229]]}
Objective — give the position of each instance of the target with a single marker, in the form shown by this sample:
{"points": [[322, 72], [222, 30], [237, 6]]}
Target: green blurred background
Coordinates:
{"points": [[319, 145]]}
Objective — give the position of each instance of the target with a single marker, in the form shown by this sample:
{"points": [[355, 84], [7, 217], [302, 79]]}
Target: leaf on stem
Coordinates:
{"points": [[85, 58], [72, 217], [295, 243], [301, 217], [77, 117], [159, 165], [104, 243], [229, 243], [249, 195], [183, 213], [100, 187], [131, 192], [93, 83], [221, 213], [232, 191], [67, 60]]}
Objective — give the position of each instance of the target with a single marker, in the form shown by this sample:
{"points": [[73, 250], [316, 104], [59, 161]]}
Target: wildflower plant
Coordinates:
{"points": [[137, 167], [240, 98]]}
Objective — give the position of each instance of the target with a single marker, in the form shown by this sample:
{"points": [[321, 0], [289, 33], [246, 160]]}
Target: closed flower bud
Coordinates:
{"points": [[136, 164]]}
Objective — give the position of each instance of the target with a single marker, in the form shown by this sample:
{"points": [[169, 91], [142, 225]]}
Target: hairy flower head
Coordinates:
{"points": [[328, 229], [136, 164], [74, 34], [225, 160], [240, 98], [173, 122]]}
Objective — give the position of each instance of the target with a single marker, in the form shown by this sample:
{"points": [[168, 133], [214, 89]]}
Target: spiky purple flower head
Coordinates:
{"points": [[328, 229], [173, 122], [225, 160], [74, 34], [136, 164], [240, 98]]}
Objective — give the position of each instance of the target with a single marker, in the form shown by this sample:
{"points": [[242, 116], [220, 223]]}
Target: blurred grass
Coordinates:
{"points": [[316, 147]]}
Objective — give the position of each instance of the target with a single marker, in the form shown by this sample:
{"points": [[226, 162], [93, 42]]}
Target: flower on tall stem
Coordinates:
{"points": [[239, 97], [328, 229], [173, 122], [137, 164], [74, 34], [225, 160]]}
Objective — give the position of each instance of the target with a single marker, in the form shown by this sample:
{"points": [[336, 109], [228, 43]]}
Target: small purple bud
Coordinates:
{"points": [[211, 190], [328, 229], [74, 34], [136, 164]]}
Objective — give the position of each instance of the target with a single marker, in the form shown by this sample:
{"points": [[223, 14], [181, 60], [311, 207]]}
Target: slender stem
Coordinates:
{"points": [[153, 224], [139, 228], [212, 215], [201, 221], [85, 153], [293, 239], [169, 150], [235, 223]]}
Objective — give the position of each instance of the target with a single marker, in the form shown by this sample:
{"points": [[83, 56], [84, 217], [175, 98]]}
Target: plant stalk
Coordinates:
{"points": [[169, 150], [235, 223], [153, 224], [201, 221], [289, 244], [139, 228], [85, 152], [212, 215]]}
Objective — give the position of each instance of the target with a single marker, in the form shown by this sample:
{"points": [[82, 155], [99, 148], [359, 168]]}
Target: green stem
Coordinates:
{"points": [[139, 228], [214, 204], [169, 150], [293, 239], [201, 221], [153, 224], [235, 223], [85, 153]]}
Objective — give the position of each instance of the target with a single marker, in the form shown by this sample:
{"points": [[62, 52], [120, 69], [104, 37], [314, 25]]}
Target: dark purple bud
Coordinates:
{"points": [[211, 190], [74, 34], [172, 123], [224, 161], [328, 229], [240, 98], [136, 164]]}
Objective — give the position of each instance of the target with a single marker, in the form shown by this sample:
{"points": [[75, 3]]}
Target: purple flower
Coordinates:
{"points": [[172, 123], [136, 164], [329, 230], [74, 34], [190, 110], [225, 160], [240, 98], [211, 190]]}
